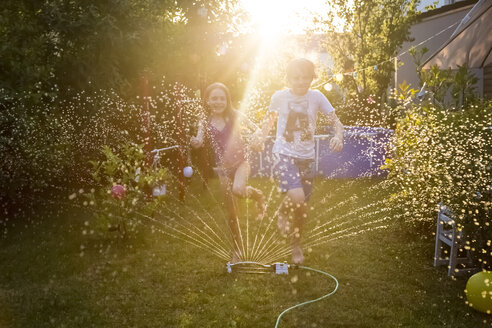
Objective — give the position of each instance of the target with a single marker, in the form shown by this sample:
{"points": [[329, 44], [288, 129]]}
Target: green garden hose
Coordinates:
{"points": [[310, 301], [278, 268]]}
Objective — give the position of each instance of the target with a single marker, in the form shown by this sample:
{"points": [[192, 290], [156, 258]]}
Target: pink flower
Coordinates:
{"points": [[118, 192]]}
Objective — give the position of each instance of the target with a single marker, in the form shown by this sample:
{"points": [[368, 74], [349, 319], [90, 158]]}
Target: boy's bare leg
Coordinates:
{"points": [[283, 216], [259, 198], [295, 199]]}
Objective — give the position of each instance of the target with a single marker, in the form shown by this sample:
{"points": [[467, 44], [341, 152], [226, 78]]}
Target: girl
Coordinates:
{"points": [[222, 126]]}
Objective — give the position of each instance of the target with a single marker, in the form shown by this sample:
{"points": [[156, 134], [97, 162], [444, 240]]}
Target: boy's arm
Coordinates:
{"points": [[336, 143], [258, 139]]}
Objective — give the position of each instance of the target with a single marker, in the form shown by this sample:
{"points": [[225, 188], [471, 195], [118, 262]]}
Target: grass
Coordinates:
{"points": [[62, 272]]}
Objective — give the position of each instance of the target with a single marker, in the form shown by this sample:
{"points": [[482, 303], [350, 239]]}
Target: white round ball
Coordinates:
{"points": [[188, 171]]}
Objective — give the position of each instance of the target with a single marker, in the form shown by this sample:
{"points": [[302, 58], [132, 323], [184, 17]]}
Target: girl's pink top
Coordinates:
{"points": [[229, 147]]}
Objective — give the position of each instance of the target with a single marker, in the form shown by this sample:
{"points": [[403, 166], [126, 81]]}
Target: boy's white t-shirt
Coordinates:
{"points": [[297, 121]]}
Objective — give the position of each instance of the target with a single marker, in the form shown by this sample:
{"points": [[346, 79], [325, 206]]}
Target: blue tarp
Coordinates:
{"points": [[364, 151]]}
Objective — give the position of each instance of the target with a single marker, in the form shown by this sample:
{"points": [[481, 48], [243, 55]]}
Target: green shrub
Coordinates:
{"points": [[129, 170], [47, 142], [442, 156], [35, 145]]}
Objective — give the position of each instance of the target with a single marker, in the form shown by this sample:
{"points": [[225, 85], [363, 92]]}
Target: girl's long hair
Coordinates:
{"points": [[229, 112]]}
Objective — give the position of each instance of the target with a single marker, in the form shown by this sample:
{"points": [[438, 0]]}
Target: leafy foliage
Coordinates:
{"points": [[437, 81], [464, 85], [361, 110], [461, 83], [45, 147], [127, 169], [36, 152], [373, 32], [417, 55], [81, 44], [443, 156]]}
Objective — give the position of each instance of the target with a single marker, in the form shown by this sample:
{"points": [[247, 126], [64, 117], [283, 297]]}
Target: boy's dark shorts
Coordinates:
{"points": [[292, 173]]}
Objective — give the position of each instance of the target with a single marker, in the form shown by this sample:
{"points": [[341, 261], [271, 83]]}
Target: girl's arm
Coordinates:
{"points": [[258, 139], [197, 141], [245, 122]]}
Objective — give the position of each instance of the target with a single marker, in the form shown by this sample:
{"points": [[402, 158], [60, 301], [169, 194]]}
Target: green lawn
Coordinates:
{"points": [[64, 272]]}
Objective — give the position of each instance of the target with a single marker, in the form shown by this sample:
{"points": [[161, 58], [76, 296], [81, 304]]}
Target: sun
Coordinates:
{"points": [[283, 17], [278, 25]]}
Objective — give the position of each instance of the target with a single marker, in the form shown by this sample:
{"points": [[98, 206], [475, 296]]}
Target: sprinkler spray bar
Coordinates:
{"points": [[255, 267]]}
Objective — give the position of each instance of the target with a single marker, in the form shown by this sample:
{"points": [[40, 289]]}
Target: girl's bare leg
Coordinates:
{"points": [[232, 219], [241, 189]]}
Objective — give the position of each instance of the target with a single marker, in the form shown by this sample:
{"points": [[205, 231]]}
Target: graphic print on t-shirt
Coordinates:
{"points": [[297, 121]]}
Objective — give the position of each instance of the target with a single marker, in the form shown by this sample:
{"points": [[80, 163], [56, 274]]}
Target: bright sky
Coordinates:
{"points": [[276, 17]]}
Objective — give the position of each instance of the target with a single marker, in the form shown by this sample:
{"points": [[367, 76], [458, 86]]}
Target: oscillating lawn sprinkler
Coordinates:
{"points": [[254, 267]]}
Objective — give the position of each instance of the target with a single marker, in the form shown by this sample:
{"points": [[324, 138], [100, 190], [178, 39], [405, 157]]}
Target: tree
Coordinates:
{"points": [[71, 69], [372, 33], [88, 44]]}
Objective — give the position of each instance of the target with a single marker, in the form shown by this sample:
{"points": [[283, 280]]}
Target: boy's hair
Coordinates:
{"points": [[229, 112], [300, 65]]}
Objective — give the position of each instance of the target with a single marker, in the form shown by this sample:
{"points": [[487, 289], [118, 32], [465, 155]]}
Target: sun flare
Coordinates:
{"points": [[278, 17]]}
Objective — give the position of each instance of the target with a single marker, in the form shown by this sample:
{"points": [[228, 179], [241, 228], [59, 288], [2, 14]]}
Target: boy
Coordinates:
{"points": [[295, 110]]}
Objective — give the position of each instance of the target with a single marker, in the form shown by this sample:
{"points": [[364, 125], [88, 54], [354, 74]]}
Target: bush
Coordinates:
{"points": [[35, 145], [363, 110], [442, 156], [46, 142], [127, 170]]}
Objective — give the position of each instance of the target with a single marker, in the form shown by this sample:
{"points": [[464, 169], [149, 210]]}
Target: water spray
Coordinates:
{"points": [[279, 268], [160, 190]]}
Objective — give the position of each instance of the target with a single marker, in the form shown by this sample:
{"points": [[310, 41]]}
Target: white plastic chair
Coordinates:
{"points": [[448, 234]]}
